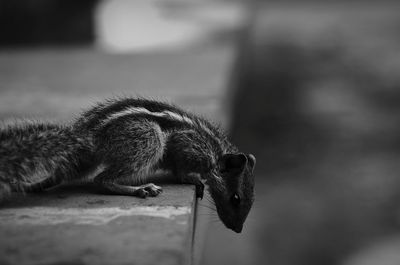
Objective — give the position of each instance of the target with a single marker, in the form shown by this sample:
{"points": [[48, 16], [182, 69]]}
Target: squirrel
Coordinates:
{"points": [[125, 142]]}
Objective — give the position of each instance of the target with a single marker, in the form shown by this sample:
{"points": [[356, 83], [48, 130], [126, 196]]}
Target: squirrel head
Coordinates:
{"points": [[234, 198]]}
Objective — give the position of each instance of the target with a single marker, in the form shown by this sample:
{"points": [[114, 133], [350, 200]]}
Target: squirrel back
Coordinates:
{"points": [[168, 116]]}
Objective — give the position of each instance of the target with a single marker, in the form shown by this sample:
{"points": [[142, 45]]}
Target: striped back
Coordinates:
{"points": [[168, 116]]}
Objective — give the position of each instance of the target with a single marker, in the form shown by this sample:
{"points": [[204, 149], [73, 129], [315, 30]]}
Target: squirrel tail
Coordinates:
{"points": [[36, 156]]}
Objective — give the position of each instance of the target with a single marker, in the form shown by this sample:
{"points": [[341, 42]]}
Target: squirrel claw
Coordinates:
{"points": [[149, 190], [194, 179], [142, 193]]}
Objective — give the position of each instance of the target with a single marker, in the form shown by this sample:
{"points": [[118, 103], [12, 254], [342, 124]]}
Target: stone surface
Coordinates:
{"points": [[76, 225]]}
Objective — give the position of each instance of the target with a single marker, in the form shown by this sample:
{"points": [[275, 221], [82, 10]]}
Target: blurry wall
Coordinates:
{"points": [[317, 94], [172, 50], [32, 22], [117, 25]]}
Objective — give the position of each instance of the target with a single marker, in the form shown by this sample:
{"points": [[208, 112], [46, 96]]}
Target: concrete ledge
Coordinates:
{"points": [[75, 225]]}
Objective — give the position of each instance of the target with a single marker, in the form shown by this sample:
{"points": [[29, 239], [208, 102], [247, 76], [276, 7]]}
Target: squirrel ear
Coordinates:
{"points": [[252, 160], [230, 162]]}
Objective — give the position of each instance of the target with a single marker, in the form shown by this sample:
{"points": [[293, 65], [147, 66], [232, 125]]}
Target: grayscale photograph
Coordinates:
{"points": [[199, 132]]}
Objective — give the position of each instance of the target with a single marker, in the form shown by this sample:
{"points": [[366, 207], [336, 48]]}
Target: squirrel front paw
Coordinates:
{"points": [[195, 179], [199, 190], [148, 190]]}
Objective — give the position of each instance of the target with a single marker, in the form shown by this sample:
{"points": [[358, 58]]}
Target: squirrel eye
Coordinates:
{"points": [[235, 200]]}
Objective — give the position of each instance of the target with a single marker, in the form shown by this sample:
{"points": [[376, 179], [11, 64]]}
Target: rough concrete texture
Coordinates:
{"points": [[76, 225]]}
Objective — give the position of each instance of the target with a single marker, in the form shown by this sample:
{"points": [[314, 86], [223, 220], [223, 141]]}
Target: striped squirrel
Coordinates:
{"points": [[126, 141]]}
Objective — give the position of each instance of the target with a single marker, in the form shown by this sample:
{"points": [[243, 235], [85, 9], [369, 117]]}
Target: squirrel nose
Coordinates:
{"points": [[238, 229]]}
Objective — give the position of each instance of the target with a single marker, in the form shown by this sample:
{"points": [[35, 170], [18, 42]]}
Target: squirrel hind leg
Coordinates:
{"points": [[141, 191], [130, 160], [41, 180], [112, 186], [38, 186]]}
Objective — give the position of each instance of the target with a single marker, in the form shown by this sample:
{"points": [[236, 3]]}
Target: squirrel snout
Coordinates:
{"points": [[237, 228]]}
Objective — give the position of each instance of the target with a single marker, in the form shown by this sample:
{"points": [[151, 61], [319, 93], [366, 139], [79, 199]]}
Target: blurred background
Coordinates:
{"points": [[311, 88]]}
